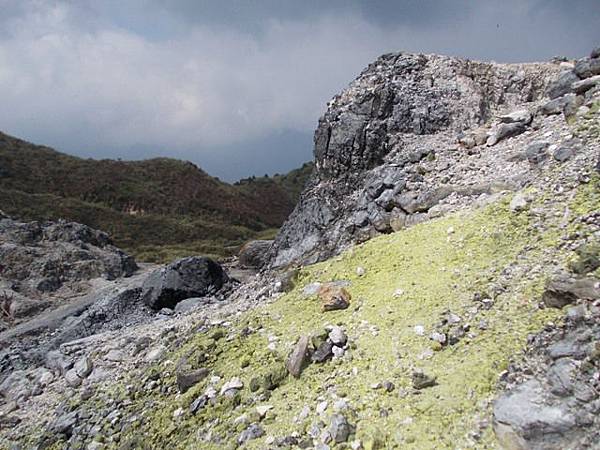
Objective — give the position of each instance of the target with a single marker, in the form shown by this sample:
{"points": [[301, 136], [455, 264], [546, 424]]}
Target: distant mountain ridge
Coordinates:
{"points": [[156, 209]]}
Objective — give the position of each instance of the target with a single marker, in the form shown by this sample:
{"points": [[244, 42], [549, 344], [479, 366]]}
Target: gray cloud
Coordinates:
{"points": [[237, 86]]}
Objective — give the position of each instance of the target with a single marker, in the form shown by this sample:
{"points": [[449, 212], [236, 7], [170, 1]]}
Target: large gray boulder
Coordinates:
{"points": [[185, 278]]}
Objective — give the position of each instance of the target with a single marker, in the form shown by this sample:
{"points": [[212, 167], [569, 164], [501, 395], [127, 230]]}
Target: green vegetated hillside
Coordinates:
{"points": [[157, 209], [412, 278]]}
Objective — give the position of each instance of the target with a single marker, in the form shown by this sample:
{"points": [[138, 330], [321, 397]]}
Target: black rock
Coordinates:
{"points": [[188, 277]]}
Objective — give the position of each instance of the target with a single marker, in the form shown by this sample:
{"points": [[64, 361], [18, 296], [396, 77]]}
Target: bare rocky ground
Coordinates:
{"points": [[470, 171]]}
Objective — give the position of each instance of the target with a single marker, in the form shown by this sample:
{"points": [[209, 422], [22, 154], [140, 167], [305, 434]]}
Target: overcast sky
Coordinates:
{"points": [[237, 86]]}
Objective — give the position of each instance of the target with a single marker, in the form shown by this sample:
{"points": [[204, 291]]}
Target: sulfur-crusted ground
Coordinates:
{"points": [[486, 268]]}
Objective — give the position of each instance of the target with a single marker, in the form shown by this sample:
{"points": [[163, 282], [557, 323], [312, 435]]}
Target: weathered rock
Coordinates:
{"points": [[339, 428], [233, 385], [182, 279], [198, 404], [64, 424], [323, 352], [519, 202], [188, 378], [536, 152], [521, 115], [299, 356], [16, 386], [587, 67], [83, 367], [421, 380], [72, 379], [563, 153], [338, 336], [190, 304], [581, 87], [255, 254], [254, 431], [505, 131], [334, 297], [386, 126], [41, 258], [58, 362], [562, 85], [523, 421], [561, 292], [558, 105]]}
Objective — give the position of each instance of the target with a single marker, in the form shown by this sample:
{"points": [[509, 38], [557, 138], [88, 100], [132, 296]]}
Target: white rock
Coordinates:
{"points": [[398, 293], [155, 354], [360, 271], [233, 384], [518, 203], [419, 330], [322, 407], [178, 413], [115, 356], [338, 336], [262, 410], [338, 352]]}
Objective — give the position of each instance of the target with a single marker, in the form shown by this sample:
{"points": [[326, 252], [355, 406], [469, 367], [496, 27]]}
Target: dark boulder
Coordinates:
{"points": [[185, 278], [562, 85], [254, 254], [587, 67]]}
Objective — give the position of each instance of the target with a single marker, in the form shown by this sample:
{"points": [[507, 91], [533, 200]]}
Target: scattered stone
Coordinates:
{"points": [[155, 354], [519, 202], [233, 385], [505, 131], [587, 67], [419, 330], [188, 378], [338, 336], [562, 85], [254, 431], [199, 403], [115, 356], [255, 254], [299, 357], [334, 297], [536, 152], [339, 428], [388, 386], [323, 352], [83, 367], [262, 410], [421, 380], [322, 407], [72, 379], [438, 337], [58, 362], [562, 153], [64, 424], [337, 352], [521, 115]]}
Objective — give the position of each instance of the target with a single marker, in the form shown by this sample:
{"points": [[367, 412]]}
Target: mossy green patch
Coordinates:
{"points": [[413, 277]]}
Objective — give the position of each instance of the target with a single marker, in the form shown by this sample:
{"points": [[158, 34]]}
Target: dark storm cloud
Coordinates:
{"points": [[236, 86]]}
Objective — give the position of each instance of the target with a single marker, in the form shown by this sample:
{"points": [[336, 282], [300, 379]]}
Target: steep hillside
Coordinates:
{"points": [[155, 208]]}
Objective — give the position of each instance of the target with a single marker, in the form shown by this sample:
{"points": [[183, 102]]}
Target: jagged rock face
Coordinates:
{"points": [[40, 261], [401, 110]]}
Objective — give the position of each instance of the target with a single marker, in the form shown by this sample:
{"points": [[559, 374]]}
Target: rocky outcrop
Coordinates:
{"points": [[379, 139], [43, 262]]}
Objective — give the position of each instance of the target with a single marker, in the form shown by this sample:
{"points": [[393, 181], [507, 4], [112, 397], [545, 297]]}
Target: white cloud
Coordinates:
{"points": [[89, 84]]}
